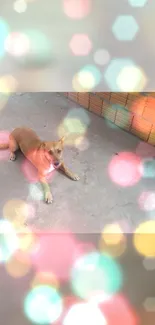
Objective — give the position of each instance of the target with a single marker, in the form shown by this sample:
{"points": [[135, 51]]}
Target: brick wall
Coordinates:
{"points": [[133, 112]]}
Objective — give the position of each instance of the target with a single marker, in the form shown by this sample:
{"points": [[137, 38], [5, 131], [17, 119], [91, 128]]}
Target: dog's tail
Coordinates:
{"points": [[4, 146]]}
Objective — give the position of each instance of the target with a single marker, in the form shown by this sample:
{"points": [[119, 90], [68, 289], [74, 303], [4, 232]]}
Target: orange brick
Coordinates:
{"points": [[119, 97], [109, 112], [122, 94], [150, 100], [83, 99], [123, 119], [105, 95], [83, 95], [134, 95], [151, 94], [95, 99], [105, 104], [73, 96], [141, 127], [96, 109], [149, 110], [151, 139], [95, 104], [116, 99], [136, 106]]}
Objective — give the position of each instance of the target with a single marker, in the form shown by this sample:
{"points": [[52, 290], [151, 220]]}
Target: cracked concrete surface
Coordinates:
{"points": [[86, 205]]}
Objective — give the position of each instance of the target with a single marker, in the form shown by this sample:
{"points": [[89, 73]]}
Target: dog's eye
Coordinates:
{"points": [[58, 151], [50, 152]]}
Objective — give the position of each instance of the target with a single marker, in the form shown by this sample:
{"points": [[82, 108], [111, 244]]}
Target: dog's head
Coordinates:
{"points": [[54, 151]]}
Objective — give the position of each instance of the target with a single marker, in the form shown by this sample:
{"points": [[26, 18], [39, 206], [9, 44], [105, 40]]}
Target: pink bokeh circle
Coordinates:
{"points": [[56, 252], [77, 9], [125, 169], [4, 138]]}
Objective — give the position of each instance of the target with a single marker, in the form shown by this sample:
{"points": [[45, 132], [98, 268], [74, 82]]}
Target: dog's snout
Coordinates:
{"points": [[56, 163]]}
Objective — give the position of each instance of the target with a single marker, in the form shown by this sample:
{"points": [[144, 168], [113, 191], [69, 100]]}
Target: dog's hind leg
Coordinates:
{"points": [[13, 146]]}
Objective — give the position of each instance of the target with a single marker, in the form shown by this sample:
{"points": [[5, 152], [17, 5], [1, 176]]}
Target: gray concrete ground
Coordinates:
{"points": [[84, 207]]}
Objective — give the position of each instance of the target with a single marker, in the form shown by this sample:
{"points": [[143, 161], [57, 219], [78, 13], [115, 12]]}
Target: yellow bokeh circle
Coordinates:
{"points": [[16, 211], [19, 265], [113, 240], [144, 238]]}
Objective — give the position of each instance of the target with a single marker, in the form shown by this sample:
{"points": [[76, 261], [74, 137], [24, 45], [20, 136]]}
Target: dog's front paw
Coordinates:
{"points": [[12, 157], [48, 198], [75, 177]]}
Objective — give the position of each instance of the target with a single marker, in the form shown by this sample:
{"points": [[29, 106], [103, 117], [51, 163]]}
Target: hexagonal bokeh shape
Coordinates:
{"points": [[138, 3], [125, 28], [80, 44], [113, 70], [149, 304]]}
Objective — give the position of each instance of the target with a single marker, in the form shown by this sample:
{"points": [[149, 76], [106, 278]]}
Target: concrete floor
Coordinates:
{"points": [[83, 207]]}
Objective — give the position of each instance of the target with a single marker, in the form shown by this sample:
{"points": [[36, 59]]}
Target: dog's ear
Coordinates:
{"points": [[43, 145], [62, 139]]}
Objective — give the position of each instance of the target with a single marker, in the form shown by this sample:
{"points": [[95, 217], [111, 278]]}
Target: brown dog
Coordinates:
{"points": [[43, 155]]}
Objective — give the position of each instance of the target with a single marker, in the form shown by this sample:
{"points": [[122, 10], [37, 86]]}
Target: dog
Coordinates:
{"points": [[44, 155]]}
